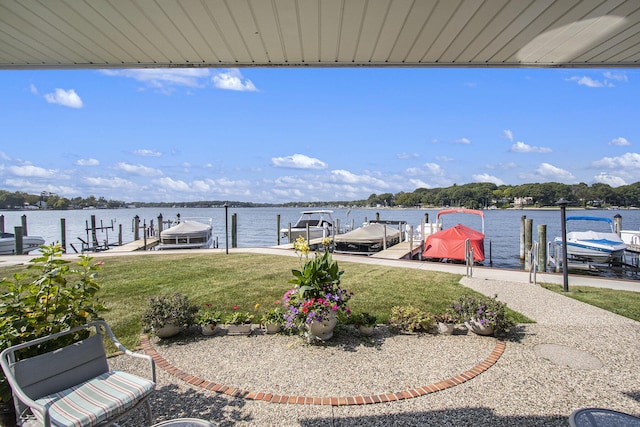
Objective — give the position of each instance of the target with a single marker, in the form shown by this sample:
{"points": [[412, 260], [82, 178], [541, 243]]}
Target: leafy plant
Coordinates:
{"points": [[238, 317], [58, 296], [273, 316], [444, 318], [363, 319], [411, 319], [487, 311], [208, 315], [174, 309], [317, 293]]}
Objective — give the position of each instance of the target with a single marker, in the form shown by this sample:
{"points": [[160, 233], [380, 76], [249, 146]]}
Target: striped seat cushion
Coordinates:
{"points": [[101, 398]]}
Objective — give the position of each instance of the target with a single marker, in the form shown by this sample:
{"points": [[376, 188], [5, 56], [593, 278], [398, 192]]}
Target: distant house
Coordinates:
{"points": [[519, 202], [41, 204]]}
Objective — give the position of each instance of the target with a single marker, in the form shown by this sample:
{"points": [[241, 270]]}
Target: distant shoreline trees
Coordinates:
{"points": [[473, 195]]}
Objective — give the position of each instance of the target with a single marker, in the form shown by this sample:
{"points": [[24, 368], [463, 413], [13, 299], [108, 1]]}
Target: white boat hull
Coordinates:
{"points": [[187, 235], [29, 243], [599, 248]]}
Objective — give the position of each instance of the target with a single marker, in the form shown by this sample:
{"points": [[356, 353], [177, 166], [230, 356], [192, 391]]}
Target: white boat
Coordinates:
{"points": [[366, 240], [8, 243], [600, 247], [319, 223], [189, 233], [632, 239]]}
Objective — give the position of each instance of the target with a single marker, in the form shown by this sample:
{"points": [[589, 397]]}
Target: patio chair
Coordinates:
{"points": [[73, 385]]}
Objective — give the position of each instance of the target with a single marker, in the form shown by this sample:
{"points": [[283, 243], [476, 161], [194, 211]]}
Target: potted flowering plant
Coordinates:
{"points": [[317, 298], [482, 315], [208, 318], [273, 319], [445, 322], [238, 322], [167, 315], [365, 322]]}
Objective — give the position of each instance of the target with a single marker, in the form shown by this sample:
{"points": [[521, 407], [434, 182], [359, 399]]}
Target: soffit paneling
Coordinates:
{"points": [[71, 34]]}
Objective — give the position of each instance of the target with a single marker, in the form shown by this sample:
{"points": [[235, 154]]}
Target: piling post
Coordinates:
{"points": [[528, 235], [160, 224], [278, 229], [617, 224], [522, 227], [234, 230], [542, 247], [63, 234], [1, 223], [24, 225], [17, 232], [119, 234], [136, 227], [377, 216], [94, 236]]}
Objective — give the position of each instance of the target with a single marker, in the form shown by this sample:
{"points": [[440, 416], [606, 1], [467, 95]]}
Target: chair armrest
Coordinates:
{"points": [[126, 351]]}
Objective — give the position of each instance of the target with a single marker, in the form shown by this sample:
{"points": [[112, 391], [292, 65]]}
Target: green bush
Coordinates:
{"points": [[411, 319], [56, 297]]}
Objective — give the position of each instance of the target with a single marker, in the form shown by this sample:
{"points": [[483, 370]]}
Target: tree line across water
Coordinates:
{"points": [[473, 195]]}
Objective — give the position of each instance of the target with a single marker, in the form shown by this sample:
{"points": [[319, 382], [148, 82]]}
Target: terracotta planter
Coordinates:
{"points": [[209, 329], [445, 328], [323, 330], [168, 331], [271, 328], [477, 328], [243, 329]]}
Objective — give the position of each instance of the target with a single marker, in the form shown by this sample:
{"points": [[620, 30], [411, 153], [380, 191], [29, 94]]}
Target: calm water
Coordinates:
{"points": [[258, 226]]}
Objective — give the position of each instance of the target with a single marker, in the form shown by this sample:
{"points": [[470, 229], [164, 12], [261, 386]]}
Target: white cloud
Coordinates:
{"points": [[627, 160], [521, 147], [620, 142], [502, 166], [406, 156], [298, 161], [549, 172], [444, 159], [114, 182], [66, 98], [87, 162], [620, 77], [232, 80], [508, 134], [487, 178], [434, 169], [4, 156], [32, 171], [33, 89], [162, 78], [137, 169], [605, 178], [147, 153], [174, 185], [462, 141]]}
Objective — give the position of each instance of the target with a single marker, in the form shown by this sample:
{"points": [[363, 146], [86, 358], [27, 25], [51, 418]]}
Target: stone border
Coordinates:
{"points": [[333, 401]]}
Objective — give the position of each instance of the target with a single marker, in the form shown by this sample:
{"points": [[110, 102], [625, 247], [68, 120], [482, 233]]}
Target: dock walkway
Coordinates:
{"points": [[136, 245], [399, 251]]}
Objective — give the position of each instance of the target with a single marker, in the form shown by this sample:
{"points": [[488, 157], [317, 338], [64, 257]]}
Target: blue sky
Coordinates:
{"points": [[290, 134]]}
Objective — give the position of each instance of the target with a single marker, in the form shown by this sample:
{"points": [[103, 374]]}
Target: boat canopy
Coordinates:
{"points": [[185, 229], [589, 218], [451, 244], [368, 234]]}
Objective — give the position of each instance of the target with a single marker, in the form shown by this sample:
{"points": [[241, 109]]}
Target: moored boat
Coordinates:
{"points": [[8, 243], [318, 222], [600, 247], [366, 240], [450, 244], [192, 233]]}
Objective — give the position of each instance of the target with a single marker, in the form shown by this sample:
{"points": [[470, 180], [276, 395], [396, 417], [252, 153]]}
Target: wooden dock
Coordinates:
{"points": [[136, 245], [399, 251]]}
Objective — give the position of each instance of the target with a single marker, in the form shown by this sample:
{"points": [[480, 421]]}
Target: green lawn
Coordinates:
{"points": [[249, 279]]}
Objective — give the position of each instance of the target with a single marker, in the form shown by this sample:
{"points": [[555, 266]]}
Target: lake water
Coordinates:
{"points": [[258, 226]]}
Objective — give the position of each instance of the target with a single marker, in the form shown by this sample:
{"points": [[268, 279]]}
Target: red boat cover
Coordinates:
{"points": [[450, 243]]}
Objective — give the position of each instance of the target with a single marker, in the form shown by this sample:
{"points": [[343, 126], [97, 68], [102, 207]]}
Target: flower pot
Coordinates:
{"points": [[445, 328], [323, 330], [243, 329], [272, 328], [476, 327], [366, 331], [209, 329], [168, 331]]}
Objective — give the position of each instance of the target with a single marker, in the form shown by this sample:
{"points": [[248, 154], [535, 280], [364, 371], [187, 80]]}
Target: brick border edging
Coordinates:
{"points": [[333, 401]]}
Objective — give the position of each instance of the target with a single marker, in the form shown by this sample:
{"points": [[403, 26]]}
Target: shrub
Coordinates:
{"points": [[410, 319], [58, 296], [174, 309]]}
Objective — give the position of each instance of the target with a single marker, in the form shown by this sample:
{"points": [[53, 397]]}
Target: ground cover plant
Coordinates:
{"points": [[247, 280]]}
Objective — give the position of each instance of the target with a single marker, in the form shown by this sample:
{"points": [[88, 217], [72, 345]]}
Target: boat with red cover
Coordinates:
{"points": [[451, 244]]}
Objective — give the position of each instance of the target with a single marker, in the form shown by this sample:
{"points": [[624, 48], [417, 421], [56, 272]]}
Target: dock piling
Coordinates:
{"points": [[1, 223], [522, 234], [278, 229], [63, 234], [23, 219], [18, 243], [542, 247]]}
